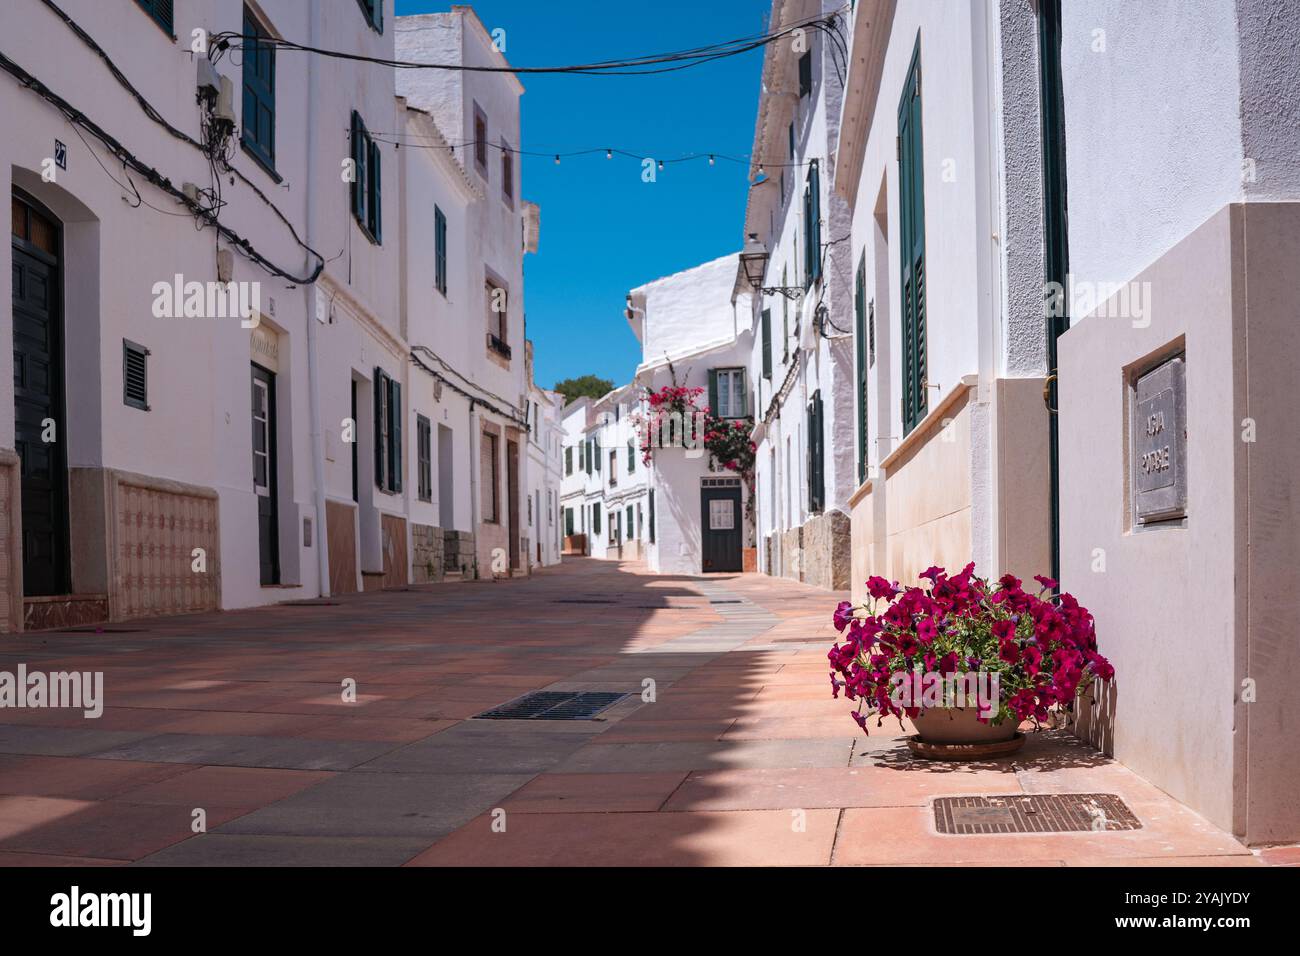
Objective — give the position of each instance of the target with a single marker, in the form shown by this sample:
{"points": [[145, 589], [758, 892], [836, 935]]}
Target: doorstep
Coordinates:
{"points": [[41, 613]]}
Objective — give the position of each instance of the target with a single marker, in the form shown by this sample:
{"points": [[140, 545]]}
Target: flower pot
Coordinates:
{"points": [[960, 725]]}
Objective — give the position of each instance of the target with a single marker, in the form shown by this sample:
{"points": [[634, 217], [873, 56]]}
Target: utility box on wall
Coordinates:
{"points": [[1158, 425]]}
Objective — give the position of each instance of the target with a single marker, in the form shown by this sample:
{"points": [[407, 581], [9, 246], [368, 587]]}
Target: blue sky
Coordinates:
{"points": [[604, 231]]}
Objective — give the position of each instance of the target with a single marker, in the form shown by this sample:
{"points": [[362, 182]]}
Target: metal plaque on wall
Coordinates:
{"points": [[1159, 430]]}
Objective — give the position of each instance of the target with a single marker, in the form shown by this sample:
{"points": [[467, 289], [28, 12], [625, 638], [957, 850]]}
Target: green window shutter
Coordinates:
{"points": [[629, 526], [860, 337], [359, 157], [631, 457], [767, 343], [395, 435], [652, 516], [380, 385], [713, 391], [439, 250], [816, 455], [813, 225], [912, 246], [376, 194], [595, 517], [595, 452]]}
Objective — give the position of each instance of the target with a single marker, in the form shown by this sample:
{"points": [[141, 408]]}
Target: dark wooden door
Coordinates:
{"points": [[39, 432], [512, 503], [720, 523], [264, 469]]}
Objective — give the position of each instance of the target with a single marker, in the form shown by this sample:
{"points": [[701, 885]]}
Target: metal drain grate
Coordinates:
{"points": [[583, 601], [726, 601], [1033, 813], [553, 705]]}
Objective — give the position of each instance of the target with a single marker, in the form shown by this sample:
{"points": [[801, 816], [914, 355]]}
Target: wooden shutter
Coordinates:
{"points": [[805, 74], [767, 343], [713, 393], [813, 226], [380, 385], [652, 516], [860, 335], [359, 161], [912, 250], [376, 194], [135, 375], [395, 435], [816, 455], [440, 250]]}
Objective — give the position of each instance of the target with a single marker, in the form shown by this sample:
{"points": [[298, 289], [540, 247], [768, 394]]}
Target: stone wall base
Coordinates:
{"points": [[458, 553], [427, 542]]}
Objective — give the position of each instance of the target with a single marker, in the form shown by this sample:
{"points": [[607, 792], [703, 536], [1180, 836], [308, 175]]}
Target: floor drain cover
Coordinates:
{"points": [[553, 705], [728, 601], [582, 601], [1033, 813]]}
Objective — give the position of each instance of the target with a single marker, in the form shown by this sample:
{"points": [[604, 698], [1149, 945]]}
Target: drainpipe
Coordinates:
{"points": [[473, 480], [310, 292]]}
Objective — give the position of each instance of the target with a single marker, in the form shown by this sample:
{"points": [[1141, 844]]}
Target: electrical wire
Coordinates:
{"points": [[512, 413], [130, 160], [222, 154], [629, 66], [609, 151]]}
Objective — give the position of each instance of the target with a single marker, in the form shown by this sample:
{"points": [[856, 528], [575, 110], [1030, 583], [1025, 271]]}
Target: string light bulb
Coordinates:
{"points": [[609, 154], [710, 159], [557, 159], [661, 164]]}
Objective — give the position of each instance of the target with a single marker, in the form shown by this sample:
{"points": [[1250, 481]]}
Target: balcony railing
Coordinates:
{"points": [[498, 345]]}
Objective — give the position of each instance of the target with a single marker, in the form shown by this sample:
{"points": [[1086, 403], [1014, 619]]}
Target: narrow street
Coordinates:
{"points": [[741, 758]]}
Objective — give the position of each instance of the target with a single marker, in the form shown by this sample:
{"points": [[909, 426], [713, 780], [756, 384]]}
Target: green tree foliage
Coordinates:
{"points": [[584, 385]]}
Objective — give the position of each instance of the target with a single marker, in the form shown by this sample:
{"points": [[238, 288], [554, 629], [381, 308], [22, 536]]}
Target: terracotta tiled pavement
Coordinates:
{"points": [[742, 757]]}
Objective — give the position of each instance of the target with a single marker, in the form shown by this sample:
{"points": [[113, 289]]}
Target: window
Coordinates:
{"points": [[507, 173], [594, 454], [568, 460], [568, 521], [367, 178], [615, 519], [812, 227], [480, 141], [727, 392], [388, 432], [631, 457], [790, 137], [613, 468], [490, 492], [550, 511], [259, 92], [816, 455], [805, 74], [767, 342], [498, 306], [439, 250], [595, 517], [373, 11], [161, 11], [911, 225], [424, 455], [860, 337], [135, 377]]}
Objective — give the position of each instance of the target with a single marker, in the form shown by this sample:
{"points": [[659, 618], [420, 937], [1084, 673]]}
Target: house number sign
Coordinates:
{"points": [[1159, 430]]}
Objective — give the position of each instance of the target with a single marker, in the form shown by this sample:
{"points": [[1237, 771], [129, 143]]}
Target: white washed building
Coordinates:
{"points": [[198, 461], [1180, 493], [543, 471], [694, 330], [802, 364], [938, 162], [477, 113]]}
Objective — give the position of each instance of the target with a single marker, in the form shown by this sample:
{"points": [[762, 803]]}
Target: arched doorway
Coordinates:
{"points": [[39, 426]]}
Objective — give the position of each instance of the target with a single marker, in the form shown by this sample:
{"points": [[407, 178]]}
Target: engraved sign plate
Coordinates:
{"points": [[983, 816], [1159, 430]]}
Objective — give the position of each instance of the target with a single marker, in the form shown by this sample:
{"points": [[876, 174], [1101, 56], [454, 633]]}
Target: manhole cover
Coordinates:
{"points": [[1033, 813], [553, 705]]}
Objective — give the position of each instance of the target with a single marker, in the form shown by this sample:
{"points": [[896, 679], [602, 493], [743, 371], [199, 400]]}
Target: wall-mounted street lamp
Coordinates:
{"points": [[754, 261]]}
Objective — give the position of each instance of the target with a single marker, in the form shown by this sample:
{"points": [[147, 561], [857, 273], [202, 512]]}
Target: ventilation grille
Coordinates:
{"points": [[553, 705], [1033, 813]]}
